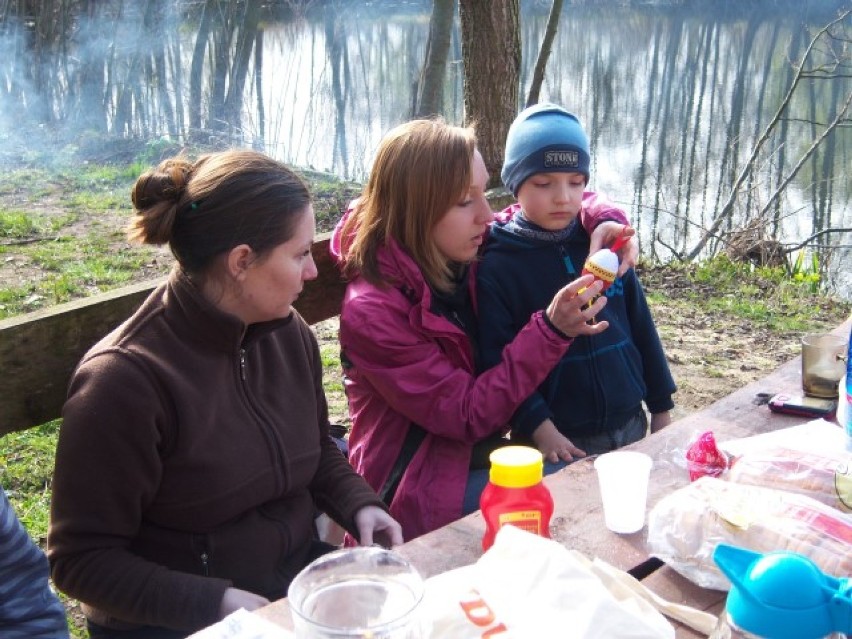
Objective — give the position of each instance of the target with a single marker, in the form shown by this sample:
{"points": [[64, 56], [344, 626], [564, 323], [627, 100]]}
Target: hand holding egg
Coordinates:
{"points": [[603, 264]]}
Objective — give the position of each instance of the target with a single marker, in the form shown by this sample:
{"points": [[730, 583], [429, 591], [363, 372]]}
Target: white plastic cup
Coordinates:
{"points": [[623, 479], [358, 592]]}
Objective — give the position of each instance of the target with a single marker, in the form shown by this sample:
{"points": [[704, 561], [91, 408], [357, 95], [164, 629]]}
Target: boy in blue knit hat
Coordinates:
{"points": [[592, 401]]}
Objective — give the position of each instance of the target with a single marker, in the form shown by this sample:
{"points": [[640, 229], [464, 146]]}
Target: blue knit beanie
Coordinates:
{"points": [[544, 138]]}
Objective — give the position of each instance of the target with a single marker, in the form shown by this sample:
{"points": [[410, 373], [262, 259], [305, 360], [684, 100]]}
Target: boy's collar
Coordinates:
{"points": [[521, 225]]}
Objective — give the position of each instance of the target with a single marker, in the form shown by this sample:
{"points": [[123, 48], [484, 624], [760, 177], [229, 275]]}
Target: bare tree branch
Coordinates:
{"points": [[659, 240], [544, 52], [818, 234], [725, 212], [805, 156]]}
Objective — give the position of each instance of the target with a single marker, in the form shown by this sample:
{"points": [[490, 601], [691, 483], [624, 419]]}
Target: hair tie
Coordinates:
{"points": [[190, 208]]}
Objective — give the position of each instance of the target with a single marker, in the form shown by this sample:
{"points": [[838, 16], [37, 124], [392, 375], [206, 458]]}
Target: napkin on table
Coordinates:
{"points": [[243, 625]]}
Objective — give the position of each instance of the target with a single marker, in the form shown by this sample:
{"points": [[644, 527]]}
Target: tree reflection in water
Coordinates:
{"points": [[674, 95]]}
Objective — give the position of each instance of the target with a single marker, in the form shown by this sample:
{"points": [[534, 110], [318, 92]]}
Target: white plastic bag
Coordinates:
{"points": [[527, 586], [243, 625]]}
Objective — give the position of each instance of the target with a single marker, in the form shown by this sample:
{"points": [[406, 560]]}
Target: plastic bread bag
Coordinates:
{"points": [[826, 477], [528, 586], [685, 526], [692, 454]]}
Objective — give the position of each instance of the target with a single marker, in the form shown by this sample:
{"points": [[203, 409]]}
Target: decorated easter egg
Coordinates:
{"points": [[603, 265]]}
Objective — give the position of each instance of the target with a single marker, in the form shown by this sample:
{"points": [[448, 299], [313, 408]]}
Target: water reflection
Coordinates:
{"points": [[673, 95]]}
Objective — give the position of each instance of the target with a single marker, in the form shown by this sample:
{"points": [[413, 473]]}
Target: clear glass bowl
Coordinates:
{"points": [[358, 592]]}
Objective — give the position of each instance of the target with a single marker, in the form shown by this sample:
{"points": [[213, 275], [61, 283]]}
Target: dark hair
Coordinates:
{"points": [[224, 199]]}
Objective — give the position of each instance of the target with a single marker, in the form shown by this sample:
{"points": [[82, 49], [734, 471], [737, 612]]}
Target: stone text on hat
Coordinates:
{"points": [[561, 159]]}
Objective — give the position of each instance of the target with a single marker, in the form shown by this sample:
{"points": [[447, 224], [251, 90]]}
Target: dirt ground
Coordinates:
{"points": [[711, 355]]}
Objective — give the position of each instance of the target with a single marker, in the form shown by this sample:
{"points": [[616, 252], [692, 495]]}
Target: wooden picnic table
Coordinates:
{"points": [[578, 521]]}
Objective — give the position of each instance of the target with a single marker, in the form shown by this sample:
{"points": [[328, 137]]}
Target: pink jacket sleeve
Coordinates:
{"points": [[425, 381], [596, 209]]}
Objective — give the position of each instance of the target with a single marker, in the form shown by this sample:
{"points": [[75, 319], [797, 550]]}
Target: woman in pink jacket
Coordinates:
{"points": [[423, 422]]}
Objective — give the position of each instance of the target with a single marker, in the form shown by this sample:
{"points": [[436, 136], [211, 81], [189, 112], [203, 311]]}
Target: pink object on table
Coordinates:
{"points": [[703, 457]]}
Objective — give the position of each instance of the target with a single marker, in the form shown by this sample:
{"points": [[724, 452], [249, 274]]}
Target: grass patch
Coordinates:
{"points": [[18, 224], [26, 467], [331, 197], [93, 175], [110, 200], [70, 269], [769, 296], [32, 182], [330, 355], [19, 299]]}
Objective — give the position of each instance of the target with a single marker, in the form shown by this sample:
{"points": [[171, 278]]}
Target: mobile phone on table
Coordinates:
{"points": [[802, 405]]}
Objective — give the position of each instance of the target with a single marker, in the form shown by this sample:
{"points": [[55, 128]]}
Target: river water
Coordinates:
{"points": [[673, 95]]}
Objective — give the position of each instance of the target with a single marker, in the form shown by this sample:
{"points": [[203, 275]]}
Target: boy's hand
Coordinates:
{"points": [[660, 420], [606, 233], [553, 444]]}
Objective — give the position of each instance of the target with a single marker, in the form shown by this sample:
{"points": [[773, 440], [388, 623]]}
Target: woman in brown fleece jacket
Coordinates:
{"points": [[194, 449]]}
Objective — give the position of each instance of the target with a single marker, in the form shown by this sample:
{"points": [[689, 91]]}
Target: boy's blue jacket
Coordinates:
{"points": [[602, 379]]}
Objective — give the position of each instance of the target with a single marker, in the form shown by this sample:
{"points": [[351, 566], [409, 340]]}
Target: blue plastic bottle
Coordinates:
{"points": [[780, 595]]}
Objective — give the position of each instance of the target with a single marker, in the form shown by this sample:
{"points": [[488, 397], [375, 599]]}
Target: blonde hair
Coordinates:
{"points": [[421, 170]]}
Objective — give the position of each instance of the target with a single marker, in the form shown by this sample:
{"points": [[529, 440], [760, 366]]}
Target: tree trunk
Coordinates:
{"points": [[221, 65], [334, 45], [491, 52], [705, 49], [175, 65], [544, 52], [87, 86], [430, 88], [163, 21], [248, 25], [260, 142], [666, 93], [648, 139], [196, 70]]}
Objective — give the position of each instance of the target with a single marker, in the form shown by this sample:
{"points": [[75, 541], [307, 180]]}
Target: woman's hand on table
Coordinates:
{"points": [[567, 311], [606, 233], [553, 444], [377, 526], [234, 599]]}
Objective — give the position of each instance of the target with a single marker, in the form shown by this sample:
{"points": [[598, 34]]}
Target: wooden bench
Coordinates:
{"points": [[39, 350]]}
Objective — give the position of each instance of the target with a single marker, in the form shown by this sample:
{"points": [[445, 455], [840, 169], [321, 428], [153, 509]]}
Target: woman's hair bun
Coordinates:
{"points": [[156, 197], [166, 182]]}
